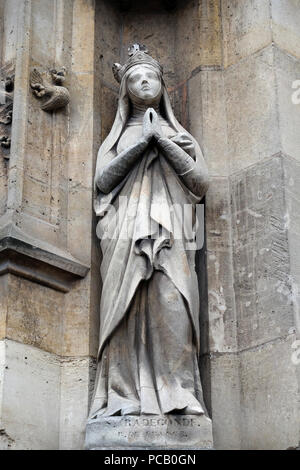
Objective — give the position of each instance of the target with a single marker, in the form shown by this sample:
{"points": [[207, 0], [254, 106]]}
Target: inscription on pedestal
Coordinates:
{"points": [[161, 432]]}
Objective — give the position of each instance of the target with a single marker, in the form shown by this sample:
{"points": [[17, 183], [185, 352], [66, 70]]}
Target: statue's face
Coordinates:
{"points": [[144, 84]]}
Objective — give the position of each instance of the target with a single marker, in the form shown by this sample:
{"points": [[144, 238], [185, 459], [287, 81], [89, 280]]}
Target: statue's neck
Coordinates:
{"points": [[138, 111]]}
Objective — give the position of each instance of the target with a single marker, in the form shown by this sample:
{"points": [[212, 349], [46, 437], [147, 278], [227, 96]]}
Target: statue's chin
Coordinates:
{"points": [[146, 97], [149, 100]]}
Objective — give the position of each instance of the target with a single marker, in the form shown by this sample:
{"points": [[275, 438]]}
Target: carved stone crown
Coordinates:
{"points": [[138, 54]]}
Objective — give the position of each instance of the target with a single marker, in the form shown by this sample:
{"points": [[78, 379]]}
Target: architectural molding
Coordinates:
{"points": [[45, 265]]}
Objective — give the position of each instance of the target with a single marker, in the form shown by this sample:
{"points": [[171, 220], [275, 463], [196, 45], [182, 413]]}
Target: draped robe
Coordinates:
{"points": [[149, 312]]}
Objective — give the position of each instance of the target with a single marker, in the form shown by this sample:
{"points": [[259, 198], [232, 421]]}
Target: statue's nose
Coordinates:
{"points": [[144, 82]]}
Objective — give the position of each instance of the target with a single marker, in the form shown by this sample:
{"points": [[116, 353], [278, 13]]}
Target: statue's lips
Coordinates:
{"points": [[145, 88]]}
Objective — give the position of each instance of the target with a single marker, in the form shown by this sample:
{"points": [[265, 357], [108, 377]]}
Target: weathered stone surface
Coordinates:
{"points": [[208, 120], [9, 31], [252, 120], [43, 29], [3, 305], [77, 320], [198, 37], [285, 25], [3, 185], [261, 254], [287, 70], [42, 161], [136, 29], [33, 314], [8, 27], [161, 432], [246, 28], [269, 407], [221, 300], [107, 42], [179, 100], [74, 401], [108, 100], [83, 17], [52, 414], [225, 395], [291, 169], [42, 263], [30, 397]]}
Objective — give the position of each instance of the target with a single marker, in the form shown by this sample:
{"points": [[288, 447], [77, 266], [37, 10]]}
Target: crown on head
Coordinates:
{"points": [[138, 54]]}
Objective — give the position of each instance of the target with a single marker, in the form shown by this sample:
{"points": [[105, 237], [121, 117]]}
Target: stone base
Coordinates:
{"points": [[149, 432]]}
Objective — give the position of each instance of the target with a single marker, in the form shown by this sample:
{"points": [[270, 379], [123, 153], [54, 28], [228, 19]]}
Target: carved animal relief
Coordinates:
{"points": [[50, 90]]}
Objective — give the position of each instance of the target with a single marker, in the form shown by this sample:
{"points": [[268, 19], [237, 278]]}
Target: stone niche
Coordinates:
{"points": [[185, 36]]}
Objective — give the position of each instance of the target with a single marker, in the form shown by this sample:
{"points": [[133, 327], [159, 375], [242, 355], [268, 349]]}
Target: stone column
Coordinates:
{"points": [[249, 127], [46, 251]]}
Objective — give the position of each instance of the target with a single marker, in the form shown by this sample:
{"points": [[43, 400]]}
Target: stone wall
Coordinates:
{"points": [[251, 226], [229, 67]]}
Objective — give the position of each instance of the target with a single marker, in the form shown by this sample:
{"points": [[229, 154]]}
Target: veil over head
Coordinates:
{"points": [[106, 151]]}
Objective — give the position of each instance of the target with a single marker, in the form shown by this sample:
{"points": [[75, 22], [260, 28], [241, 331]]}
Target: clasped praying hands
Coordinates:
{"points": [[152, 130], [151, 125]]}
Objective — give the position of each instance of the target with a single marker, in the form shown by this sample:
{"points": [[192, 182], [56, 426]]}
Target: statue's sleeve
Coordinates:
{"points": [[192, 171]]}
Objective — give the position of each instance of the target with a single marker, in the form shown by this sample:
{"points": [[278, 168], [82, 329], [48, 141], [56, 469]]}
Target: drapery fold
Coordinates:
{"points": [[140, 232]]}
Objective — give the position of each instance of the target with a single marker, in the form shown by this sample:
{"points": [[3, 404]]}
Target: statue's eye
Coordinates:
{"points": [[151, 75], [135, 77]]}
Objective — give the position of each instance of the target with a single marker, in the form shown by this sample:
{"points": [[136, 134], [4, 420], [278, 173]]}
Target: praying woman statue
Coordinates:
{"points": [[148, 168]]}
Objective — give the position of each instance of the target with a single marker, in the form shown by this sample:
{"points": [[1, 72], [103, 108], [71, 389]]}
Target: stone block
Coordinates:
{"points": [[34, 314], [80, 139], [43, 190], [285, 25], [9, 31], [246, 28], [218, 215], [257, 201], [198, 37], [221, 303], [225, 401], [108, 107], [83, 36], [157, 31], [287, 70], [269, 397], [30, 397], [207, 119], [3, 190], [3, 305], [77, 325], [180, 103], [252, 119], [261, 254], [74, 402], [79, 220], [43, 32], [107, 41], [292, 220]]}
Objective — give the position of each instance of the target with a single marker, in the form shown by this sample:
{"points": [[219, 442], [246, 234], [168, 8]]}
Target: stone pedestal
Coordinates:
{"points": [[149, 432]]}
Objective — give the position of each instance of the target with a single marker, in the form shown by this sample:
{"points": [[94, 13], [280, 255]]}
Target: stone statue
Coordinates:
{"points": [[148, 166]]}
